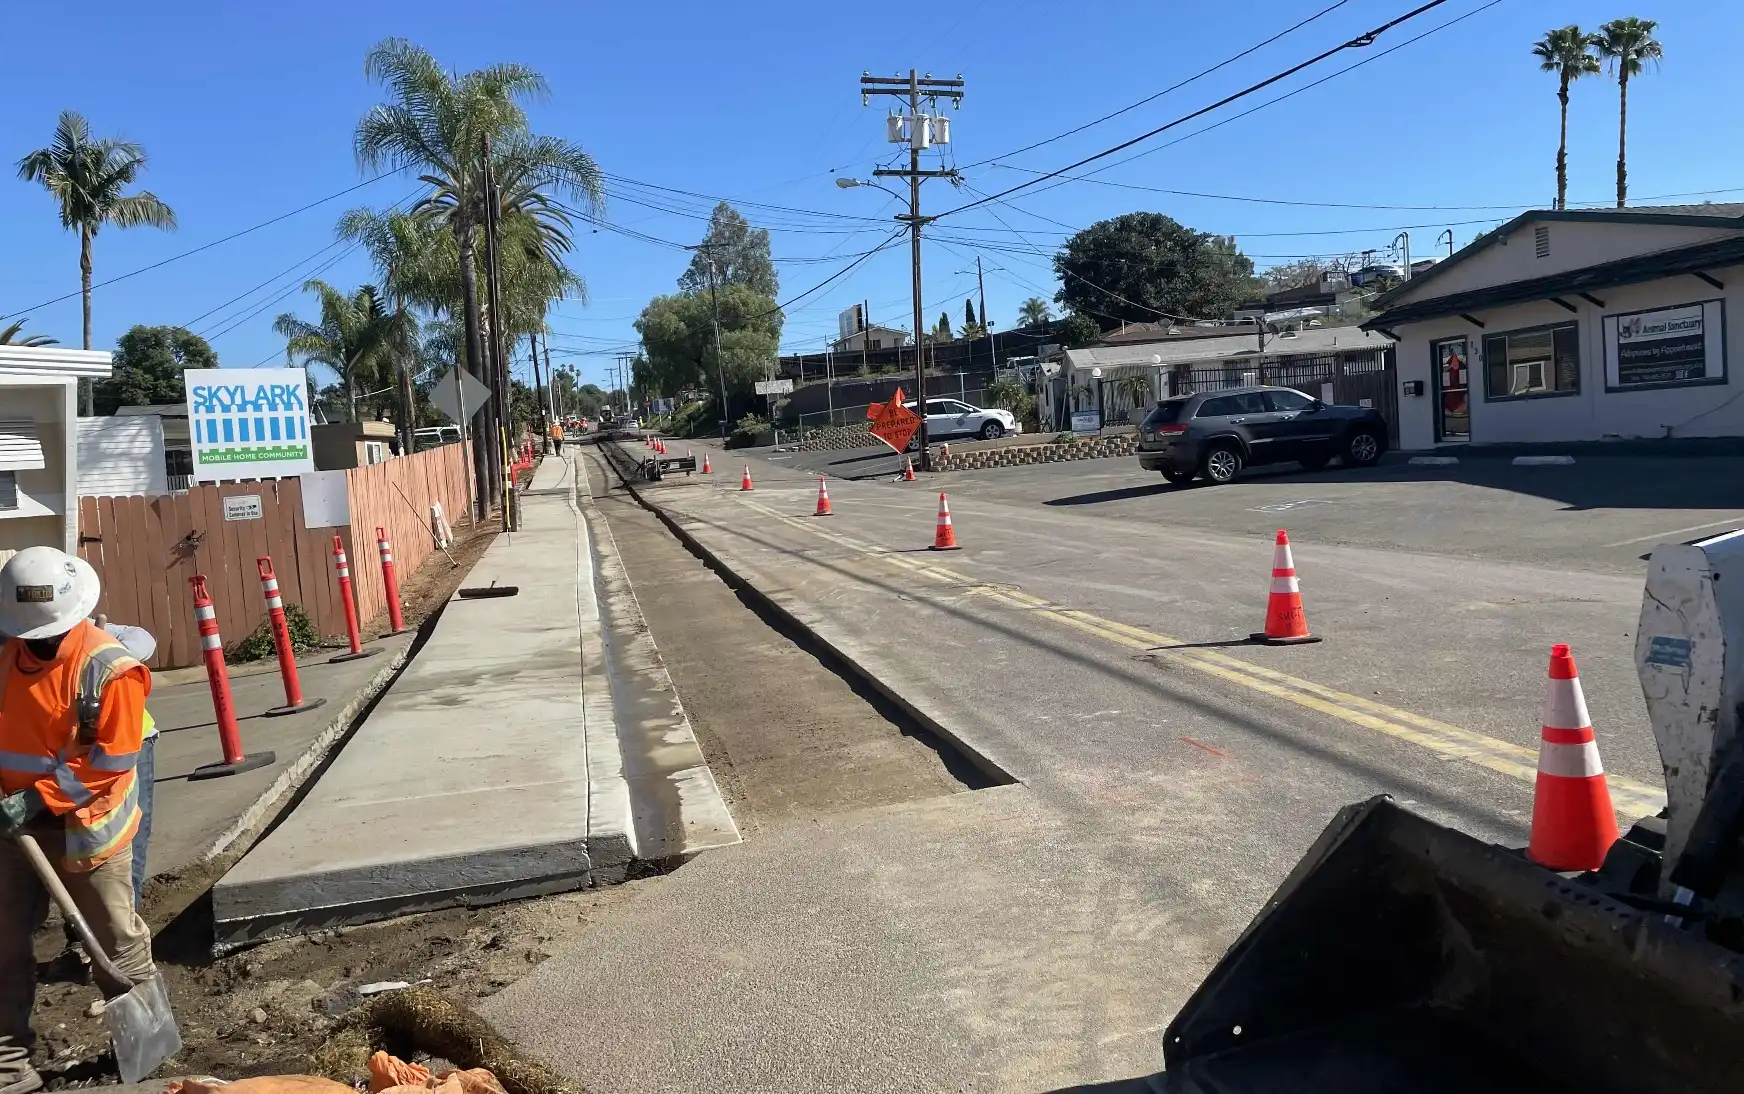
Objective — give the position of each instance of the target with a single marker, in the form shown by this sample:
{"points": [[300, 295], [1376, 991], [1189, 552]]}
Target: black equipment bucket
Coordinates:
{"points": [[1401, 956]]}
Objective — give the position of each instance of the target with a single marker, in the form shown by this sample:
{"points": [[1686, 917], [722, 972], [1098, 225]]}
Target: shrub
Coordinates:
{"points": [[259, 645]]}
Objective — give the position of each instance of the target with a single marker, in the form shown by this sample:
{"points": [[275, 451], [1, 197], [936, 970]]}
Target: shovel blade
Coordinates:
{"points": [[142, 1029]]}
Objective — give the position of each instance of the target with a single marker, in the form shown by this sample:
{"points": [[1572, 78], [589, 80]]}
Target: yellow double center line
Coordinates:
{"points": [[1631, 798]]}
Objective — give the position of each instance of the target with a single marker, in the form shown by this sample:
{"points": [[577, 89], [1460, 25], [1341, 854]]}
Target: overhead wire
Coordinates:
{"points": [[1360, 41]]}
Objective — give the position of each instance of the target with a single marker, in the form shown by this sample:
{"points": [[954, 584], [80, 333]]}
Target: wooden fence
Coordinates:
{"points": [[145, 548]]}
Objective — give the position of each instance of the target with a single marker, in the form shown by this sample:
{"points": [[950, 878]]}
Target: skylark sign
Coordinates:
{"points": [[249, 423]]}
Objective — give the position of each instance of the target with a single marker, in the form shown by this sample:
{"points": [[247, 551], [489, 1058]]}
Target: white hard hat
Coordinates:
{"points": [[45, 593]]}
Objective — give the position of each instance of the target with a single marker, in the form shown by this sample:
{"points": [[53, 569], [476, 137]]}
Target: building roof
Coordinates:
{"points": [[56, 361], [1707, 215], [1625, 271], [1174, 332], [1311, 341]]}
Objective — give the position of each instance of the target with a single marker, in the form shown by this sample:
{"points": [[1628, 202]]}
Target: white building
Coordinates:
{"points": [[39, 443], [1580, 325], [872, 337]]}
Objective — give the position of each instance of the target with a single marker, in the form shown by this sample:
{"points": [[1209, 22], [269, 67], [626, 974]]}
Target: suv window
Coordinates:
{"points": [[1289, 401], [1164, 412], [1247, 403]]}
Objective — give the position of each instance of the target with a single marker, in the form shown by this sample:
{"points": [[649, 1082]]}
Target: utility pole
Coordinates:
{"points": [[539, 395], [551, 379], [715, 321], [499, 339], [921, 135], [986, 327]]}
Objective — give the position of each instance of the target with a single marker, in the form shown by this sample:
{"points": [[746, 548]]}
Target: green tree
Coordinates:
{"points": [[1137, 389], [739, 252], [969, 322], [148, 367], [678, 334], [1626, 44], [87, 177], [942, 329], [1566, 51], [1034, 312], [1078, 330], [13, 336], [354, 337], [1295, 274], [1144, 266]]}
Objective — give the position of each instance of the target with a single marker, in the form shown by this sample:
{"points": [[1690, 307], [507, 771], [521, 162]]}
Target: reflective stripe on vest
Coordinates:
{"points": [[89, 843]]}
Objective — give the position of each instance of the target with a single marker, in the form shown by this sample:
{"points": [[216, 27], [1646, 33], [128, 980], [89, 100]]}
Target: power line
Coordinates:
{"points": [[204, 246], [1171, 88], [1360, 41]]}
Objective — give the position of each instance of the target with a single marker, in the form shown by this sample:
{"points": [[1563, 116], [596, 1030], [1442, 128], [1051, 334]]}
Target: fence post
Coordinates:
{"points": [[348, 602], [223, 708], [281, 632], [390, 582]]}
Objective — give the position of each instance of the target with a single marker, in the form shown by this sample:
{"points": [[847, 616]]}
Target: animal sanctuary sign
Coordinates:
{"points": [[1666, 347], [249, 423]]}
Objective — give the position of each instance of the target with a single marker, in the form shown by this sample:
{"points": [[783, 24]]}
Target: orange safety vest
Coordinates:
{"points": [[49, 739]]}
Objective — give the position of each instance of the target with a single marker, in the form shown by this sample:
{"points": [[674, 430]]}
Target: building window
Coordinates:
{"points": [[1525, 364], [1541, 240], [8, 490], [374, 452]]}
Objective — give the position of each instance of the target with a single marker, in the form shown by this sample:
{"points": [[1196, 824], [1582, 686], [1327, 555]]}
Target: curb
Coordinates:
{"points": [[1543, 461], [1433, 461], [297, 771], [978, 759]]}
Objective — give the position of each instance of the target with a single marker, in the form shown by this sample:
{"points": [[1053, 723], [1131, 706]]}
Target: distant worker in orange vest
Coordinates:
{"points": [[557, 436], [72, 709]]}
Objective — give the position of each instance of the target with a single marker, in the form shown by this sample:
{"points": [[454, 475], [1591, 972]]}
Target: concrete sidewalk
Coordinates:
{"points": [[494, 768], [194, 822]]}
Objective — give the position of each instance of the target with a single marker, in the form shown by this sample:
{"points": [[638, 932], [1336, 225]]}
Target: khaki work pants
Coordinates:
{"points": [[104, 896]]}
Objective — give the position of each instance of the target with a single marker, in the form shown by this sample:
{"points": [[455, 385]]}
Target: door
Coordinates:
{"points": [[942, 418], [1246, 415], [1302, 430], [1452, 375]]}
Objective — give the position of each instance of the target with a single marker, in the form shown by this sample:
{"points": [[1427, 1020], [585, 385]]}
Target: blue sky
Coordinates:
{"points": [[247, 112]]}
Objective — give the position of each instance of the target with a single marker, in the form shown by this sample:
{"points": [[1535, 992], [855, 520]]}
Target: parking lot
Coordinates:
{"points": [[1603, 513]]}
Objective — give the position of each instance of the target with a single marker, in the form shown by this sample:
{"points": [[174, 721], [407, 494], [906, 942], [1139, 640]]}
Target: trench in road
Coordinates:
{"points": [[787, 732]]}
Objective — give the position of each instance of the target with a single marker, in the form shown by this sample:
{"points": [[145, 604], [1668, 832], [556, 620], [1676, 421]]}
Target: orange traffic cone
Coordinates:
{"points": [[1285, 622], [908, 470], [823, 509], [1573, 824], [745, 482], [706, 469], [944, 536]]}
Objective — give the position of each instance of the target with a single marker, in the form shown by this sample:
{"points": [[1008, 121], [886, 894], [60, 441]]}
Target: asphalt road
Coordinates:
{"points": [[1033, 936]]}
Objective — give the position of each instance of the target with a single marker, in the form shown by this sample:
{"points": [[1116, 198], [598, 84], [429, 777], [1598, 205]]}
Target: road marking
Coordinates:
{"points": [[1661, 537], [1286, 506], [1631, 798]]}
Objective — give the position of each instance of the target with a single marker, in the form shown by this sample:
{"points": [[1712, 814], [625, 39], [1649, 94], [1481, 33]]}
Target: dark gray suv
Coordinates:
{"points": [[1217, 433]]}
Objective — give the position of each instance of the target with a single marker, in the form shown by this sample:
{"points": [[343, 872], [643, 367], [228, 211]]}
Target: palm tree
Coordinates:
{"points": [[353, 338], [10, 336], [440, 123], [1626, 44], [1566, 51], [87, 176], [1034, 312]]}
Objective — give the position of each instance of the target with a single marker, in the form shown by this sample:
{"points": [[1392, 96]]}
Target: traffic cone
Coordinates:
{"points": [[745, 482], [706, 469], [944, 536], [1285, 623], [908, 470], [1573, 824], [823, 508]]}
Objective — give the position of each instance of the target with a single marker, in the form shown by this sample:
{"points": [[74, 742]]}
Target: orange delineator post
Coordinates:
{"points": [[348, 601], [945, 534], [1286, 623], [823, 504], [223, 706], [1573, 821], [287, 654], [390, 582]]}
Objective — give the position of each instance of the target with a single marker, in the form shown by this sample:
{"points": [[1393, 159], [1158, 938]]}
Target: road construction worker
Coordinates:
{"points": [[72, 705], [557, 436]]}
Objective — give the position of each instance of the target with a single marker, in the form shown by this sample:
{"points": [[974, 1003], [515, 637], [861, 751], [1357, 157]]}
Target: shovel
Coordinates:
{"points": [[140, 1023]]}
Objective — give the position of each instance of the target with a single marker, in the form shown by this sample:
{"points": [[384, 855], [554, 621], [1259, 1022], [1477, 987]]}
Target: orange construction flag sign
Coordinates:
{"points": [[893, 423]]}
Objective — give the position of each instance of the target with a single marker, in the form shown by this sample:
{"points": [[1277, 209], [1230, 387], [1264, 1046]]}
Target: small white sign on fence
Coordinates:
{"points": [[242, 507], [1086, 421]]}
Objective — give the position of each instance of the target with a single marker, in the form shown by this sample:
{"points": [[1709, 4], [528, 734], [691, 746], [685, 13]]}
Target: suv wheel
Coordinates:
{"points": [[992, 430], [1362, 449], [1222, 464]]}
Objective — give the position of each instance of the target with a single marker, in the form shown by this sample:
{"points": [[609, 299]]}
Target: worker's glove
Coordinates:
{"points": [[17, 809]]}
